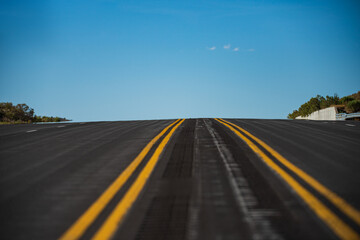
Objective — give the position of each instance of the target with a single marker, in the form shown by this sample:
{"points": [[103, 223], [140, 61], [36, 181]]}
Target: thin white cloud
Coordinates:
{"points": [[227, 46], [234, 49]]}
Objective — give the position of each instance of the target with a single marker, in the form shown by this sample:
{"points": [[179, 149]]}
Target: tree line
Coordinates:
{"points": [[22, 113], [347, 104]]}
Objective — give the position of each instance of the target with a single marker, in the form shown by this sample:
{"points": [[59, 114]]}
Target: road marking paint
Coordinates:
{"points": [[109, 227], [89, 216], [340, 203], [341, 229], [61, 126], [31, 131], [350, 125]]}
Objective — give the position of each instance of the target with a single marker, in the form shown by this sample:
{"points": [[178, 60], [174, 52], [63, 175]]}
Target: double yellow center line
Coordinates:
{"points": [[338, 226], [111, 223]]}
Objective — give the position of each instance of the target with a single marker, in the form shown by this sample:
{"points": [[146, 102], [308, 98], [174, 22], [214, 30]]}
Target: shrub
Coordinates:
{"points": [[353, 106]]}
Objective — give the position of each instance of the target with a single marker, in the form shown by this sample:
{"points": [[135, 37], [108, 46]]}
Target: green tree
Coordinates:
{"points": [[7, 111], [293, 115], [315, 104], [23, 113], [311, 106], [346, 99], [329, 101]]}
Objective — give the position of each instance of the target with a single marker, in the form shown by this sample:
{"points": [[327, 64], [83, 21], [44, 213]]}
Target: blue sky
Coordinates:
{"points": [[120, 60]]}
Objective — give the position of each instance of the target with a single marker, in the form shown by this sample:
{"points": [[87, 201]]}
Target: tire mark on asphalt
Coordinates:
{"points": [[256, 218]]}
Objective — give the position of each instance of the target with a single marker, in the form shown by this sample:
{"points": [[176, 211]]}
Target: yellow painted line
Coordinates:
{"points": [[112, 222], [340, 203], [88, 217], [341, 229]]}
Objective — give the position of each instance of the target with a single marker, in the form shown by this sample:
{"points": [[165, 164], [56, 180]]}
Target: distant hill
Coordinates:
{"points": [[349, 104], [22, 113]]}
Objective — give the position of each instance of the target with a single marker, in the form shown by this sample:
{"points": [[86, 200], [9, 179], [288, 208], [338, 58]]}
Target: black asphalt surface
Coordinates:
{"points": [[208, 184]]}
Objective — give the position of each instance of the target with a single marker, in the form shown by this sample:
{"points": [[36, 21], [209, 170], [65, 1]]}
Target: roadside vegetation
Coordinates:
{"points": [[347, 104], [22, 113]]}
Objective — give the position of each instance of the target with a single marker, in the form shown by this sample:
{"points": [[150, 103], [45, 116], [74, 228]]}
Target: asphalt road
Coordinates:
{"points": [[196, 179]]}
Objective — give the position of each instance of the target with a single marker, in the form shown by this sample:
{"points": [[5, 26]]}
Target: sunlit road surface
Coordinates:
{"points": [[181, 179]]}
